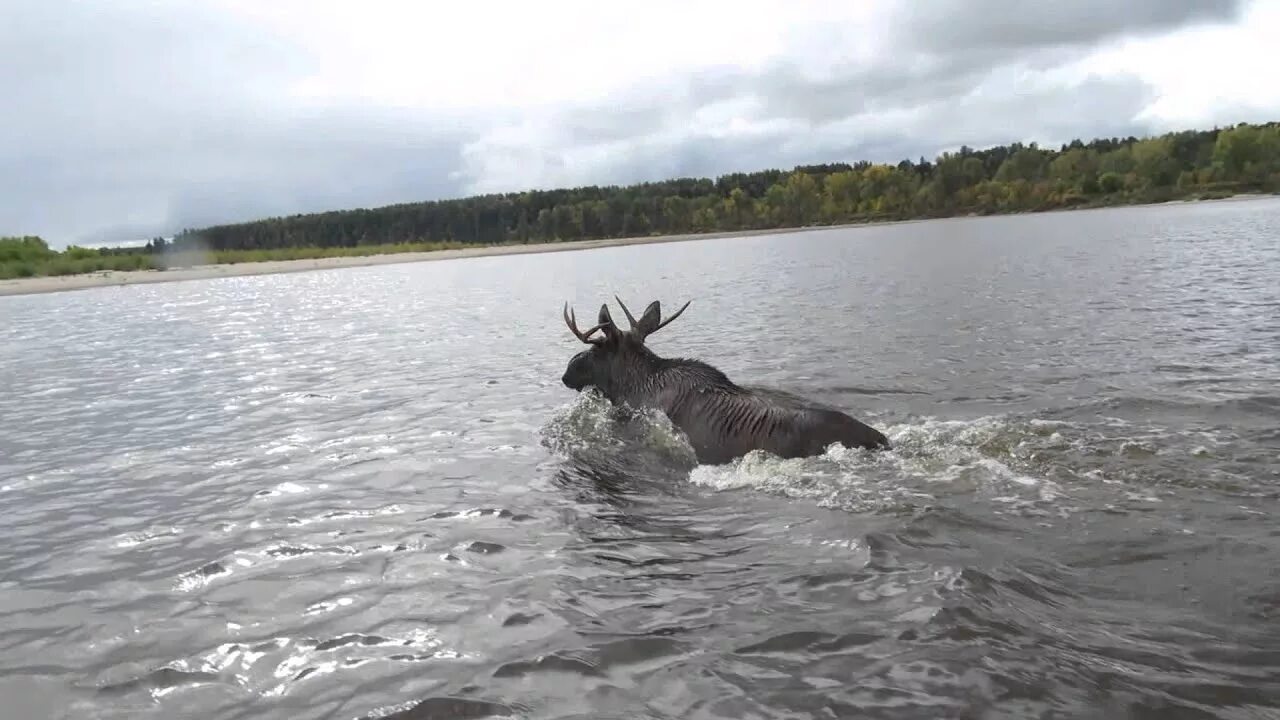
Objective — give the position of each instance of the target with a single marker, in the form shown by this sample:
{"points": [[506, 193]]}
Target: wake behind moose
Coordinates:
{"points": [[721, 419]]}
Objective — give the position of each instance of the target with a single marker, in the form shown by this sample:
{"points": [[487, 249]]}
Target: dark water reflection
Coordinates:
{"points": [[364, 493]]}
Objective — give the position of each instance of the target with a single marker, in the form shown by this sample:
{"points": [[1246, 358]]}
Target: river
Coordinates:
{"points": [[364, 492]]}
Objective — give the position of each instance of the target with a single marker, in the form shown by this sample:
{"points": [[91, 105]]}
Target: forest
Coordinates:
{"points": [[1191, 164]]}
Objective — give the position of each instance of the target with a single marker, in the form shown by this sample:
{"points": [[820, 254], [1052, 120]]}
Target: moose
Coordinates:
{"points": [[721, 419]]}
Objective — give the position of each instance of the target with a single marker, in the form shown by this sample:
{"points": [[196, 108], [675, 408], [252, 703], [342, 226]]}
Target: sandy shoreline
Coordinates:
{"points": [[62, 283]]}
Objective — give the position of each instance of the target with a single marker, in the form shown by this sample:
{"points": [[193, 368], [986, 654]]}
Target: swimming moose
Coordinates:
{"points": [[722, 420]]}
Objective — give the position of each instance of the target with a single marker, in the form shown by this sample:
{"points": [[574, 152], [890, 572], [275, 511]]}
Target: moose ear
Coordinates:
{"points": [[649, 320], [605, 320]]}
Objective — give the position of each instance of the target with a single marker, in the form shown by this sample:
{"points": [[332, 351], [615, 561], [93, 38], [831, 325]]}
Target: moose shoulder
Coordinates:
{"points": [[721, 419]]}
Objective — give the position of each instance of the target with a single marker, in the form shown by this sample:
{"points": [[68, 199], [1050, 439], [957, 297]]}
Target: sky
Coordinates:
{"points": [[127, 119]]}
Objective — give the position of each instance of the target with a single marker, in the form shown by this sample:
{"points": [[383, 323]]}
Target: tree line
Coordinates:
{"points": [[1007, 178], [29, 256], [1002, 179]]}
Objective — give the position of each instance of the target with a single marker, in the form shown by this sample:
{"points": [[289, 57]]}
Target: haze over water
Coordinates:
{"points": [[364, 492]]}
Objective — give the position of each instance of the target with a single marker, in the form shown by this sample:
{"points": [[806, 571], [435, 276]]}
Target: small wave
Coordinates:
{"points": [[274, 666], [632, 654], [135, 539], [440, 708], [38, 480], [485, 548], [328, 606], [202, 576], [1228, 411], [473, 513], [817, 643], [345, 514], [285, 488], [859, 390], [161, 682], [291, 551]]}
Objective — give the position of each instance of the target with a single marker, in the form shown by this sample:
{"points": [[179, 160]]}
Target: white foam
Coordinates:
{"points": [[591, 422], [137, 538], [929, 458], [1008, 461]]}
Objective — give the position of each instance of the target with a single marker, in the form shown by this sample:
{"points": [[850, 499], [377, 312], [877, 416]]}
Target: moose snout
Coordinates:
{"points": [[578, 373], [571, 379]]}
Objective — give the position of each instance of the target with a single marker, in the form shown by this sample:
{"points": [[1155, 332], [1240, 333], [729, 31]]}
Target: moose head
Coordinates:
{"points": [[617, 363]]}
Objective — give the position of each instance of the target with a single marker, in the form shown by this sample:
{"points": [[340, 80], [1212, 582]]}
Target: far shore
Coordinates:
{"points": [[61, 283]]}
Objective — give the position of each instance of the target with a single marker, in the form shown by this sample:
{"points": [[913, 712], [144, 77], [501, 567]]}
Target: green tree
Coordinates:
{"points": [[1075, 169], [1248, 153], [1154, 163], [1029, 164], [1110, 182], [803, 198]]}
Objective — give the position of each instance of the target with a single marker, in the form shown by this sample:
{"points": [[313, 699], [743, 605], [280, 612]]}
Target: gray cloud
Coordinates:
{"points": [[656, 149], [107, 195], [939, 88], [137, 120], [945, 26], [942, 50]]}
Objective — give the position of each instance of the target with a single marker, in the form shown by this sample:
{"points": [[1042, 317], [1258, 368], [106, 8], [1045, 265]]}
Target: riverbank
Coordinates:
{"points": [[62, 283]]}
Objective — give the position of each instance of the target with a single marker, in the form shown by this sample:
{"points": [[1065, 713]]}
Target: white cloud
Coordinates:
{"points": [[1202, 76], [139, 118], [493, 55]]}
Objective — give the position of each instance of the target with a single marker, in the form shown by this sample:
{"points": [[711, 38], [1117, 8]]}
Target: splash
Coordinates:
{"points": [[593, 424], [1028, 466], [931, 459]]}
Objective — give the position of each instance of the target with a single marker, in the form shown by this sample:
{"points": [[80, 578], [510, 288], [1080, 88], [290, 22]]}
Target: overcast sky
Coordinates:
{"points": [[126, 119]]}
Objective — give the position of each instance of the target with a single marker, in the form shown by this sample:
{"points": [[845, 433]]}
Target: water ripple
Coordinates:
{"points": [[364, 493]]}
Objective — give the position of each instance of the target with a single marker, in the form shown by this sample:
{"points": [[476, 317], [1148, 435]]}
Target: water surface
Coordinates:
{"points": [[364, 492]]}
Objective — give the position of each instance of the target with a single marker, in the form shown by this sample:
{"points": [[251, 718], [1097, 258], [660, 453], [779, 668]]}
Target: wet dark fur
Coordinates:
{"points": [[722, 420]]}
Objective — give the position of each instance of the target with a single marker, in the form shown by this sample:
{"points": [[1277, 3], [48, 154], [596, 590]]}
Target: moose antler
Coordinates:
{"points": [[626, 312], [643, 327], [571, 320], [673, 317]]}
